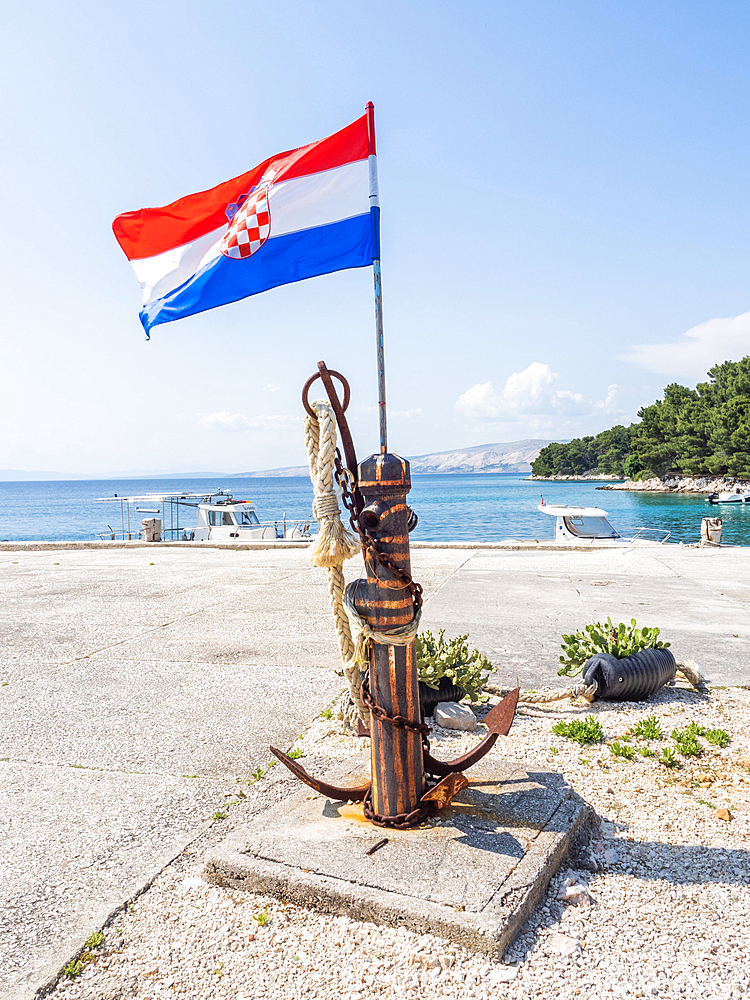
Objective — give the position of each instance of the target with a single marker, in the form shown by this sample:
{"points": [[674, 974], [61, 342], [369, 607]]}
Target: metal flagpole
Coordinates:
{"points": [[375, 218]]}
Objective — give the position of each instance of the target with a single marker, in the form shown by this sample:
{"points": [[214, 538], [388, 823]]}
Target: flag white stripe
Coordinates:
{"points": [[297, 204]]}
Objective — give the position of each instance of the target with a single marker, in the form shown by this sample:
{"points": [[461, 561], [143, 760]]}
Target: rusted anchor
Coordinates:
{"points": [[398, 793]]}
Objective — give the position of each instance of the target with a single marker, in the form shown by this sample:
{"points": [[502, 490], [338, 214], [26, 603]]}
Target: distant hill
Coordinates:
{"points": [[507, 456]]}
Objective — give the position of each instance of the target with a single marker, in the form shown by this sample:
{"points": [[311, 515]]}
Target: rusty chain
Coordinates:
{"points": [[345, 480]]}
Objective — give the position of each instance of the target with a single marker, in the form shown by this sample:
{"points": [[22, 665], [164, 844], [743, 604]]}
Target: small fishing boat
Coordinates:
{"points": [[737, 495], [589, 526], [218, 518]]}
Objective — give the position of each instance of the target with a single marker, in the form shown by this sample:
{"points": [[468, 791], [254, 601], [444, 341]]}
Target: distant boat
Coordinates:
{"points": [[589, 525], [219, 518], [730, 496]]}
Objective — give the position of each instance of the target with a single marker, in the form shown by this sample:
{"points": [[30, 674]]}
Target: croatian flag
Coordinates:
{"points": [[299, 214]]}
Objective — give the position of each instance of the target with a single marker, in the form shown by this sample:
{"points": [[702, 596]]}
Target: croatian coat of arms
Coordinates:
{"points": [[250, 224]]}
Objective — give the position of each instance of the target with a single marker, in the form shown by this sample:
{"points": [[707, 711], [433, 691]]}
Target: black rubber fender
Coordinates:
{"points": [[632, 678]]}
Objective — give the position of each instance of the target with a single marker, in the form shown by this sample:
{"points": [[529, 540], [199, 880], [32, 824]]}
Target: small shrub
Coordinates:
{"points": [[619, 641], [645, 751], [693, 729], [581, 731], [717, 737], [73, 968], [441, 657], [647, 729], [668, 758], [94, 940], [687, 743], [621, 750]]}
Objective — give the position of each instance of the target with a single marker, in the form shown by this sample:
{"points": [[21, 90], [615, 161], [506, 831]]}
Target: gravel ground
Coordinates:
{"points": [[657, 905]]}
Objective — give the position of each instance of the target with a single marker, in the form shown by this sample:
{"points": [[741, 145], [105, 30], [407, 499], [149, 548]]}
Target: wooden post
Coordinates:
{"points": [[385, 602]]}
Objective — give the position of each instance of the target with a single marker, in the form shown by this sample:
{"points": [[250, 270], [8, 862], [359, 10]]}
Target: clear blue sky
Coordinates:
{"points": [[564, 193]]}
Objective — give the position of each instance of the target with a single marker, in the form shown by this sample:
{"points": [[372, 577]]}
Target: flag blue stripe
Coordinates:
{"points": [[281, 260]]}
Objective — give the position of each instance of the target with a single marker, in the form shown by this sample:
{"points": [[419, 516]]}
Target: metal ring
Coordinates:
{"points": [[306, 389]]}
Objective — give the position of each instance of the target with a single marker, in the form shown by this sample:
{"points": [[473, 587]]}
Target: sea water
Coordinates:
{"points": [[451, 508]]}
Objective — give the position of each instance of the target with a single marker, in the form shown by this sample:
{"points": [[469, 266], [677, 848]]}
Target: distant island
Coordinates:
{"points": [[702, 432], [506, 456]]}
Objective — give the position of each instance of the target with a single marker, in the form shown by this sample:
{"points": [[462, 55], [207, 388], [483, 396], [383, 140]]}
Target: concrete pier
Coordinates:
{"points": [[138, 683]]}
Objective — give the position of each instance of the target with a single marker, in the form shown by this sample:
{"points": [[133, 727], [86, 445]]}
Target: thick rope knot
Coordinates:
{"points": [[402, 635], [326, 505]]}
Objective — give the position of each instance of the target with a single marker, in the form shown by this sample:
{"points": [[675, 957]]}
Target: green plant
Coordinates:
{"points": [[94, 940], [645, 751], [621, 750], [219, 815], [705, 802], [554, 750], [327, 713], [717, 737], [687, 743], [668, 758], [618, 641], [451, 658], [581, 731], [73, 968], [295, 754], [647, 729], [694, 729], [262, 918], [257, 774]]}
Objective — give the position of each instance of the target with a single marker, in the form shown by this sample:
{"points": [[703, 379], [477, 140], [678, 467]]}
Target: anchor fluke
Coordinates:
{"points": [[336, 792]]}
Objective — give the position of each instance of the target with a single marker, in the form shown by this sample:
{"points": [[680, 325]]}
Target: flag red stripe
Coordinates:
{"points": [[150, 231]]}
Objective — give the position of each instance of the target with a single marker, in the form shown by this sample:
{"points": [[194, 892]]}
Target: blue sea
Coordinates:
{"points": [[465, 508]]}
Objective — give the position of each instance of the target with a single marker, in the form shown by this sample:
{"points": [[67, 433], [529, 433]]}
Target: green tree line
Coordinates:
{"points": [[701, 431]]}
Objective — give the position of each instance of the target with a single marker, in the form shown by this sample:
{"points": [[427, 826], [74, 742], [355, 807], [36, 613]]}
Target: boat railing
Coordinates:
{"points": [[642, 532], [183, 534]]}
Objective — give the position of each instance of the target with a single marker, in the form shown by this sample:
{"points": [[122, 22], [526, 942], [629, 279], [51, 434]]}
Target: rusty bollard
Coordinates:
{"points": [[385, 602]]}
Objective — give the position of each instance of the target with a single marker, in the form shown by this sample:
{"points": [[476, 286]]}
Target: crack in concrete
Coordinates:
{"points": [[450, 576]]}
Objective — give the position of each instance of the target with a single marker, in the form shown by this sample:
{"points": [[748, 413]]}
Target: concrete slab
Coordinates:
{"points": [[472, 874], [75, 844]]}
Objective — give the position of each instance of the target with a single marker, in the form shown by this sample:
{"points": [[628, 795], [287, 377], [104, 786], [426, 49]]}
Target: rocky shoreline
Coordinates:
{"points": [[683, 484], [588, 478]]}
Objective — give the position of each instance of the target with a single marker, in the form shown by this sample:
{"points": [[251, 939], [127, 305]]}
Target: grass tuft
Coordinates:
{"points": [[647, 729], [717, 737], [621, 750], [583, 731]]}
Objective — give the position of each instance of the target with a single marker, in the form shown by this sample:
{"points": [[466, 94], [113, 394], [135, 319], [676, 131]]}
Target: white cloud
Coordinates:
{"points": [[271, 387], [700, 348], [530, 395], [406, 414], [225, 421]]}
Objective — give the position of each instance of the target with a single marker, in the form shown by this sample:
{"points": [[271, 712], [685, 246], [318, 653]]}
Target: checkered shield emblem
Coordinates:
{"points": [[250, 227]]}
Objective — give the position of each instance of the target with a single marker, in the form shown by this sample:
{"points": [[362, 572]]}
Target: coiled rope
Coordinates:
{"points": [[334, 544]]}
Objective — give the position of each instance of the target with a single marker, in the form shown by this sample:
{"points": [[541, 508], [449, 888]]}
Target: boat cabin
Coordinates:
{"points": [[579, 524]]}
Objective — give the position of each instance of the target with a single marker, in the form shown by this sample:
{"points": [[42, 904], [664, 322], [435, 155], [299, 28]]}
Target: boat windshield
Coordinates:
{"points": [[590, 527], [246, 517]]}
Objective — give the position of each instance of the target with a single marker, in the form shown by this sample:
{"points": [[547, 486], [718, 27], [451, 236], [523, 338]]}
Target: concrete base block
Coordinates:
{"points": [[471, 875]]}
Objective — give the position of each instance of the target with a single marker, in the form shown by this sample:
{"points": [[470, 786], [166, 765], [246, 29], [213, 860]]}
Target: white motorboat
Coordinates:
{"points": [[737, 495], [219, 517], [589, 526]]}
